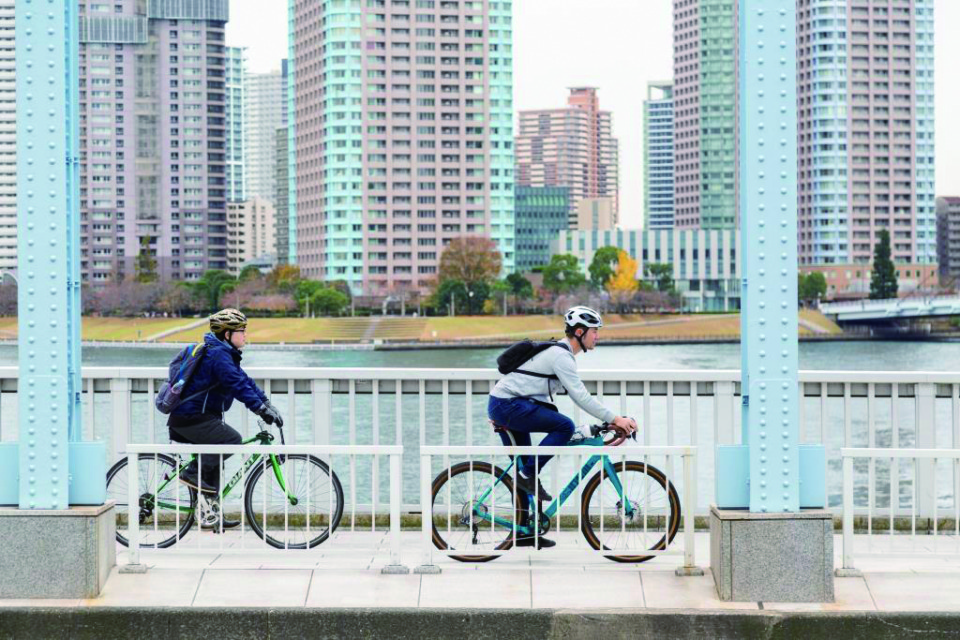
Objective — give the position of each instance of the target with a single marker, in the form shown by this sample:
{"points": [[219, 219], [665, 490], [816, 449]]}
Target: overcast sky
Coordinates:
{"points": [[617, 46]]}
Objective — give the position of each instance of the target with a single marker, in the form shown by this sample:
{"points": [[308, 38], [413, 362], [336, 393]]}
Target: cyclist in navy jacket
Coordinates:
{"points": [[216, 383]]}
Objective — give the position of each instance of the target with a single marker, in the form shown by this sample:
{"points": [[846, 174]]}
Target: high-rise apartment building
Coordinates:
{"points": [[152, 136], [265, 108], [704, 114], [236, 124], [403, 136], [571, 147], [865, 74], [948, 239], [658, 183], [8, 140], [251, 229]]}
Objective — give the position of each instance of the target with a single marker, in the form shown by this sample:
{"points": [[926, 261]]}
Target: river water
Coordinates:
{"points": [[847, 356], [838, 355]]}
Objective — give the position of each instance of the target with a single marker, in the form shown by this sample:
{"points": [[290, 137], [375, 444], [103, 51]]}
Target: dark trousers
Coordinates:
{"points": [[523, 416], [204, 429]]}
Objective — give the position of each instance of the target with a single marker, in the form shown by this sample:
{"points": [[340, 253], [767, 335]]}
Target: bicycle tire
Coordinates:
{"points": [[252, 491], [478, 467], [658, 477], [117, 491]]}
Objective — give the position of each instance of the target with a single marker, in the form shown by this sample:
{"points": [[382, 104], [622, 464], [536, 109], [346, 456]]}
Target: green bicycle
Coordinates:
{"points": [[291, 501], [624, 506]]}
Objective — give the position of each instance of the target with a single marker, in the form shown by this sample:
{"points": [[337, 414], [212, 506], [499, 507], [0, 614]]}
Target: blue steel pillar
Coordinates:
{"points": [[47, 53], [771, 471], [768, 209]]}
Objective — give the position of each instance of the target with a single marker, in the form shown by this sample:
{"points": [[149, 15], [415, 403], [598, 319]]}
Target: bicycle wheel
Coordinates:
{"points": [[654, 502], [465, 483], [165, 517], [305, 518]]}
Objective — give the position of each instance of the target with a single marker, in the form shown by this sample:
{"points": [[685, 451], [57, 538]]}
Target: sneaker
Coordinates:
{"points": [[526, 484], [541, 542], [190, 479]]}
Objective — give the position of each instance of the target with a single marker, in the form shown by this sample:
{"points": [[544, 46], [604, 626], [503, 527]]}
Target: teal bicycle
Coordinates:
{"points": [[625, 505], [291, 501]]}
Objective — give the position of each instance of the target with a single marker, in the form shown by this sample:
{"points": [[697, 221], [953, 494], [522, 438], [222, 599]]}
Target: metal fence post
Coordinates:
{"points": [[724, 391], [689, 567], [926, 439], [396, 478], [426, 520], [848, 570], [133, 517], [120, 426]]}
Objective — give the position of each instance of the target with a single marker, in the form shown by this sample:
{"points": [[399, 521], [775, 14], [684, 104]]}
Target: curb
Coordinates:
{"points": [[456, 624]]}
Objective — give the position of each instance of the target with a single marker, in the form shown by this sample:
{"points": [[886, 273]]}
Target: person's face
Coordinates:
{"points": [[590, 338], [238, 338]]}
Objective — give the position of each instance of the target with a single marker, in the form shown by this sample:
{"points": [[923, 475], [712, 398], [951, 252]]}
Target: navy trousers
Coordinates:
{"points": [[523, 416]]}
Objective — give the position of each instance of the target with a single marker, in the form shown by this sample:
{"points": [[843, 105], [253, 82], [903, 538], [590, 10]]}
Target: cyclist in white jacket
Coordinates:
{"points": [[522, 400]]}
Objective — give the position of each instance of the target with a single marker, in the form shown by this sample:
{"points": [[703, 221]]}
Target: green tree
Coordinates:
{"points": [[210, 287], [883, 280], [328, 302], [563, 274], [520, 288], [249, 272], [603, 266], [811, 287], [662, 274], [146, 264], [499, 292], [451, 294], [304, 292]]}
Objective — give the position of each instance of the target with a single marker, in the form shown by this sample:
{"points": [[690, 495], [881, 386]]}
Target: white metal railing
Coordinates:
{"points": [[901, 492], [420, 407], [473, 508], [260, 499]]}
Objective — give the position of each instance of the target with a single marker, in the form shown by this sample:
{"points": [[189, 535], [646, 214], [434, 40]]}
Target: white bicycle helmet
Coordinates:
{"points": [[582, 317]]}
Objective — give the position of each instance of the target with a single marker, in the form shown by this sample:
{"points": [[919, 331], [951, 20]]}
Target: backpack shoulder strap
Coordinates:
{"points": [[549, 376]]}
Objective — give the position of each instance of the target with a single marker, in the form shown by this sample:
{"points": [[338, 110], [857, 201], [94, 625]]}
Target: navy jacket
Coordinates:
{"points": [[221, 366]]}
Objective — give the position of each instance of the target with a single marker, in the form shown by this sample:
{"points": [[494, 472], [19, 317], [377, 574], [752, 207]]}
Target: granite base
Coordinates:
{"points": [[64, 553], [772, 557]]}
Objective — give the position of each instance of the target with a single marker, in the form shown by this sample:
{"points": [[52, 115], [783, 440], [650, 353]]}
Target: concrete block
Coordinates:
{"points": [[64, 553], [772, 557]]}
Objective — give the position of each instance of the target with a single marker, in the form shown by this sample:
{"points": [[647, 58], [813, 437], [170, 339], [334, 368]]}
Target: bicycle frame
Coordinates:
{"points": [[234, 480], [565, 493]]}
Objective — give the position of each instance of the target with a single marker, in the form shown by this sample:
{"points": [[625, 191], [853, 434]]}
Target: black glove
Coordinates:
{"points": [[270, 414]]}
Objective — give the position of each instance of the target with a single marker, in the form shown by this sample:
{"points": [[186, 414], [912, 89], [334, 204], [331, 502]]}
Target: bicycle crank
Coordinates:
{"points": [[209, 511]]}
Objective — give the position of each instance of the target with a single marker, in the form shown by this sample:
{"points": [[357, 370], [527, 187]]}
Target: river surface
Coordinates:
{"points": [[356, 474], [845, 356]]}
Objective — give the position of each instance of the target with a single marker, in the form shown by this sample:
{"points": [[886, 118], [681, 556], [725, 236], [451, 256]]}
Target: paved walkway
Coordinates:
{"points": [[345, 572]]}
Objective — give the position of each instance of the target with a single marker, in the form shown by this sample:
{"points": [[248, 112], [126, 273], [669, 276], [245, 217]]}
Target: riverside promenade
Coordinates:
{"points": [[338, 590]]}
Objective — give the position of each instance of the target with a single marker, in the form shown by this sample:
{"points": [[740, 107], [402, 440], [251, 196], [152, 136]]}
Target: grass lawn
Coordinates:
{"points": [[120, 329], [303, 330]]}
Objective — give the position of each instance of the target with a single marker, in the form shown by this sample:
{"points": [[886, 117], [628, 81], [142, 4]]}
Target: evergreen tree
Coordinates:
{"points": [[146, 264], [883, 280]]}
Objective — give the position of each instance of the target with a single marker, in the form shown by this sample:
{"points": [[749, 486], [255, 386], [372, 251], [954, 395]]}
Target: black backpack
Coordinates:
{"points": [[521, 352]]}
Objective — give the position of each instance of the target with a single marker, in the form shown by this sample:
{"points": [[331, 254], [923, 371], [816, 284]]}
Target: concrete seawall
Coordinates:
{"points": [[484, 624]]}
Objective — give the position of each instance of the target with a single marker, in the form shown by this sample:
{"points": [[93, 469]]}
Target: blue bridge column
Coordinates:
{"points": [[758, 530], [48, 219]]}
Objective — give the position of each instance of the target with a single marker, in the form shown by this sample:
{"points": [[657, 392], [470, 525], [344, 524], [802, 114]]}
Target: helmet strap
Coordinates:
{"points": [[580, 339]]}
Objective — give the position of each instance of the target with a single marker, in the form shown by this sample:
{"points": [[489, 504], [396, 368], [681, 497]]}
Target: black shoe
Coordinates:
{"points": [[526, 485], [541, 542], [190, 479]]}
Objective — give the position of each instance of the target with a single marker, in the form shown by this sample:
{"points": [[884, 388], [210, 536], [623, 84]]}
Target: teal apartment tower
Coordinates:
{"points": [[403, 137]]}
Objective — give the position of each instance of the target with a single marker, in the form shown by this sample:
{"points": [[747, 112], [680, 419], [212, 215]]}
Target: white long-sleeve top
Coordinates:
{"points": [[556, 361]]}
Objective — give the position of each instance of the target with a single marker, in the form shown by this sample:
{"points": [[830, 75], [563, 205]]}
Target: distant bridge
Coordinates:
{"points": [[882, 311]]}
